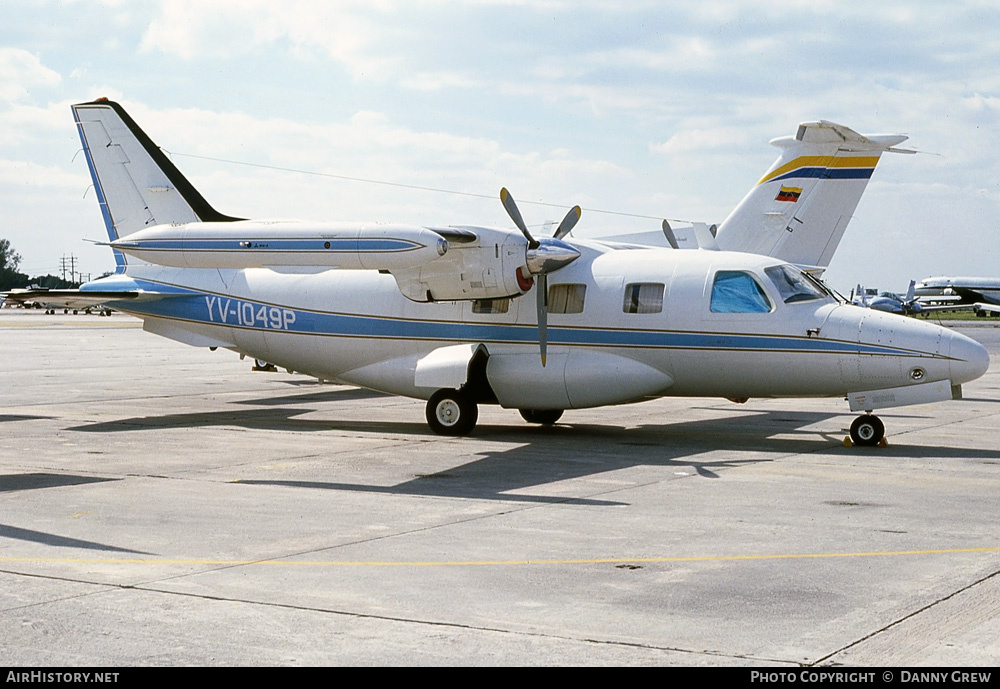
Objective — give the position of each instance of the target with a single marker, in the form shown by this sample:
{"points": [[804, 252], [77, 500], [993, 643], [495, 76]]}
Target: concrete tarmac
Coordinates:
{"points": [[165, 505]]}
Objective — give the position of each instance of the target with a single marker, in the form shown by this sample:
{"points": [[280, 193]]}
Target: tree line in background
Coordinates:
{"points": [[12, 278]]}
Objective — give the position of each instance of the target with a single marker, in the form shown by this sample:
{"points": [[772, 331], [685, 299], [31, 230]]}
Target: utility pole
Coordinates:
{"points": [[71, 259]]}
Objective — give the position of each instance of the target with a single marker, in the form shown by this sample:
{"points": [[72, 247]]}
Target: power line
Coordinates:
{"points": [[414, 187]]}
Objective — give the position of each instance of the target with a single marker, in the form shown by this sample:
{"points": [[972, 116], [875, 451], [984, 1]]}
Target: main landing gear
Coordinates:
{"points": [[451, 412], [545, 417], [454, 412], [867, 430]]}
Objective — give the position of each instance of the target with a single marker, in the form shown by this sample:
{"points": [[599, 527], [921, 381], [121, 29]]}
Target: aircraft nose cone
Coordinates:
{"points": [[969, 359]]}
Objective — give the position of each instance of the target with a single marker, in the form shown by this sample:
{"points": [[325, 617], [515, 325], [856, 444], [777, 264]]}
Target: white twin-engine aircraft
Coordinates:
{"points": [[435, 312]]}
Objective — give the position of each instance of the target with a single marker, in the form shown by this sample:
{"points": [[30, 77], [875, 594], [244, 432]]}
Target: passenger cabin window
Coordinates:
{"points": [[566, 298], [794, 285], [643, 297], [738, 292], [491, 305]]}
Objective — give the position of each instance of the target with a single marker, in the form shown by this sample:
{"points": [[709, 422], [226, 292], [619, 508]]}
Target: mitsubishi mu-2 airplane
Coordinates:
{"points": [[445, 314]]}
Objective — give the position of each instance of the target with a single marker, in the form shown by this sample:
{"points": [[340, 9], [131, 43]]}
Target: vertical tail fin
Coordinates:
{"points": [[799, 210], [137, 185]]}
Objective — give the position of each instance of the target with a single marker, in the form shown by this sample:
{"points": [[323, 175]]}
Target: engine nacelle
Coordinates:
{"points": [[483, 266]]}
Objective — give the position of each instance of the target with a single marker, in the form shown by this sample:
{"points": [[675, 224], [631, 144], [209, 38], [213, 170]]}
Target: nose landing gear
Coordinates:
{"points": [[867, 430]]}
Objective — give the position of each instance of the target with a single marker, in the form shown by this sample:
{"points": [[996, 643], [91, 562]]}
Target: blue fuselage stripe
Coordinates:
{"points": [[231, 312]]}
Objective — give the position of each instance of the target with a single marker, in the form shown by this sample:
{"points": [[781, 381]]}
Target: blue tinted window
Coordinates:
{"points": [[738, 292]]}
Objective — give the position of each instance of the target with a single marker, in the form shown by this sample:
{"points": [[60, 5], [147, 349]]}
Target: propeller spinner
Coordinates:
{"points": [[543, 256]]}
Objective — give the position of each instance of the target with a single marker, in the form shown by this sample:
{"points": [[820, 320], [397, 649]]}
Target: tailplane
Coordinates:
{"points": [[137, 185], [799, 210]]}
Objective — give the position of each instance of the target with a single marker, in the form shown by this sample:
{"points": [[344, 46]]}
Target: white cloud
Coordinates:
{"points": [[20, 175], [20, 72], [342, 31]]}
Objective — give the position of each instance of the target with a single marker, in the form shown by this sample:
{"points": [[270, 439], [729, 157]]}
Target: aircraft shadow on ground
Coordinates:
{"points": [[544, 455], [273, 419], [21, 417], [55, 541], [15, 482], [567, 453], [34, 481], [322, 396]]}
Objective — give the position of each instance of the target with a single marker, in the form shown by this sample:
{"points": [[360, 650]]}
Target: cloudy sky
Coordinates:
{"points": [[658, 109]]}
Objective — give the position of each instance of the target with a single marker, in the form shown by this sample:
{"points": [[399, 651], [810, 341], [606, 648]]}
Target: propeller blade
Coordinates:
{"points": [[541, 258], [511, 207], [668, 232], [569, 222], [542, 311]]}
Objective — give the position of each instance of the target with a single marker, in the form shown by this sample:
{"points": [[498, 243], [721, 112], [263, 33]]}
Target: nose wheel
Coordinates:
{"points": [[867, 430]]}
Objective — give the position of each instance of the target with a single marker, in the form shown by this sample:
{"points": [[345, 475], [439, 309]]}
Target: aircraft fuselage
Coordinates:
{"points": [[354, 326]]}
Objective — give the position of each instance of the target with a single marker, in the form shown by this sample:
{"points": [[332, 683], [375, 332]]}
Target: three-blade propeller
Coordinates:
{"points": [[543, 256]]}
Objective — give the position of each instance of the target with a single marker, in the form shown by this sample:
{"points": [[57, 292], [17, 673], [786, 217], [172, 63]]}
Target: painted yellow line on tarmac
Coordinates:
{"points": [[493, 563]]}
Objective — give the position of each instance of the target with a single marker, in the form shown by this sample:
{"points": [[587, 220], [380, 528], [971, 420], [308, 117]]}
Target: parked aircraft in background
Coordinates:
{"points": [[889, 301], [436, 313], [983, 294], [52, 299]]}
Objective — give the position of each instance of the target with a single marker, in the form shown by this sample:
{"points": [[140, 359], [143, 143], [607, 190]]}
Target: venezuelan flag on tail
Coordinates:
{"points": [[799, 209]]}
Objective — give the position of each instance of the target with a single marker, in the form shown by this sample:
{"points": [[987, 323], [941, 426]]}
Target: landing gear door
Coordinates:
{"points": [[446, 367]]}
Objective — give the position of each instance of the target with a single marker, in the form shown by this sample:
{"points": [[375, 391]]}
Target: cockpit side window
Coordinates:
{"points": [[737, 292], [793, 285]]}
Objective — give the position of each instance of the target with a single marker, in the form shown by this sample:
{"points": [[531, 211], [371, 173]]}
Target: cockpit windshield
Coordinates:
{"points": [[794, 285]]}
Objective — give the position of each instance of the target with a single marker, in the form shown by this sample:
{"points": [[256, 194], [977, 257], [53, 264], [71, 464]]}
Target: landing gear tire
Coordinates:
{"points": [[545, 417], [451, 412], [867, 430]]}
